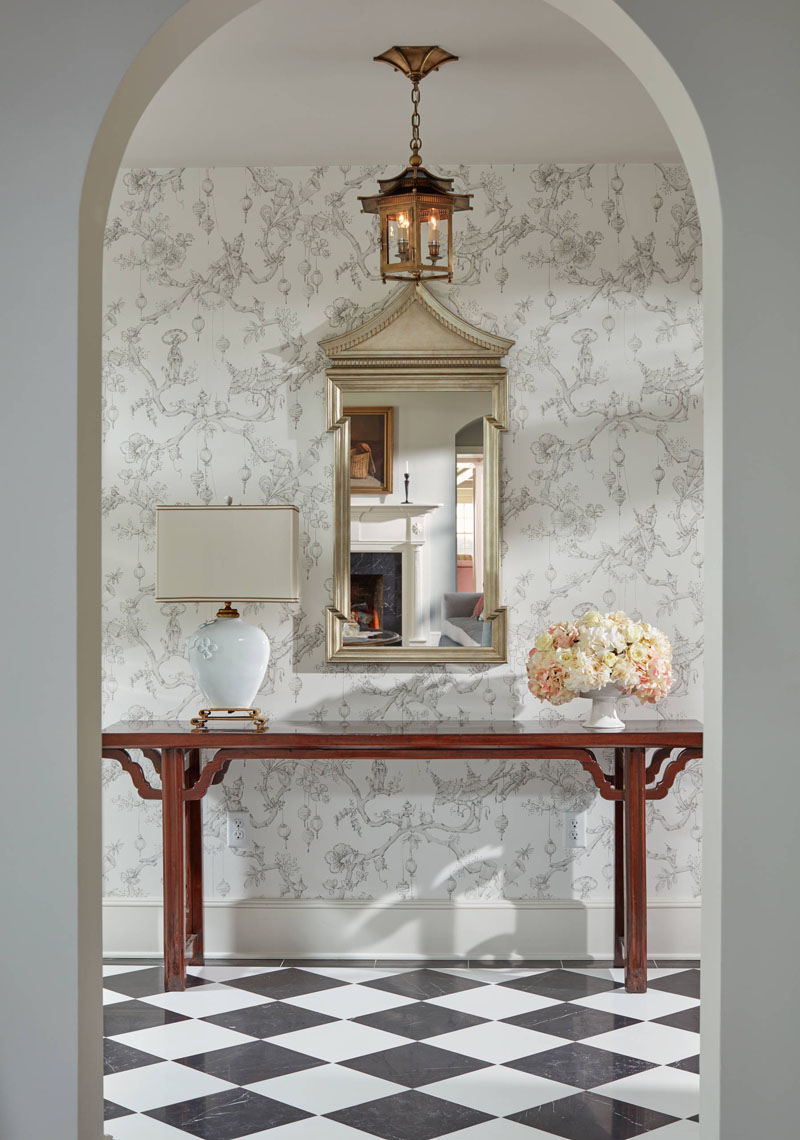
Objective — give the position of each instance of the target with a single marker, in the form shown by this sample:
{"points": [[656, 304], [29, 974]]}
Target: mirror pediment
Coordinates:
{"points": [[415, 326]]}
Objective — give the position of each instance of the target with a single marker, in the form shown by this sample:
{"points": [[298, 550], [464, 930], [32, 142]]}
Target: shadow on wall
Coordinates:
{"points": [[453, 930]]}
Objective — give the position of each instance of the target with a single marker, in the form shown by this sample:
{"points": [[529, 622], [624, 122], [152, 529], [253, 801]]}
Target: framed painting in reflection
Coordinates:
{"points": [[371, 450]]}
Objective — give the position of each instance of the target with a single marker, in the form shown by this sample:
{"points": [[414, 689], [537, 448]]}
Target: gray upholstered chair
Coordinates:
{"points": [[459, 627]]}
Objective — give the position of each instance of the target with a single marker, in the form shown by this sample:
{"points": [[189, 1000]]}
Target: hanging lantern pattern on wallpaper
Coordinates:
{"points": [[415, 208]]}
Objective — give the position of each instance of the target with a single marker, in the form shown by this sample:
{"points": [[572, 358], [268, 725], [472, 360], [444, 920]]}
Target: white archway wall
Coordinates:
{"points": [[213, 384], [738, 62]]}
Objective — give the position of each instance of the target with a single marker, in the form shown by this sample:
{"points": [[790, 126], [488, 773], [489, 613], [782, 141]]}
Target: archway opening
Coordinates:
{"points": [[617, 30]]}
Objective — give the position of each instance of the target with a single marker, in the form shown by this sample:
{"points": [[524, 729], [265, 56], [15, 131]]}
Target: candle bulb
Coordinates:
{"points": [[402, 240], [433, 238], [406, 467]]}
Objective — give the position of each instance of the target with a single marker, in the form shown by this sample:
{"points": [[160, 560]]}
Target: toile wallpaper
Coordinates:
{"points": [[218, 285]]}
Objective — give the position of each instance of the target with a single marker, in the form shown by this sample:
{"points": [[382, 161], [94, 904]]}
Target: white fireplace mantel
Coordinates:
{"points": [[378, 528]]}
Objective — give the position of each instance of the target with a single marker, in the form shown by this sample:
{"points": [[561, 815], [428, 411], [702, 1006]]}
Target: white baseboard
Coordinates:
{"points": [[482, 928]]}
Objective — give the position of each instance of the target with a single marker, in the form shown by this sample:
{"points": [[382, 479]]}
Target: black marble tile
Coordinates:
{"points": [[687, 1065], [562, 985], [269, 1020], [573, 1022], [111, 1111], [597, 963], [118, 1058], [145, 983], [409, 1116], [420, 1020], [245, 963], [290, 982], [514, 964], [686, 983], [254, 1061], [334, 963], [688, 1019], [695, 1118], [590, 1116], [143, 962], [127, 1016], [422, 963], [421, 984], [588, 963], [227, 1115], [414, 1065], [580, 1065]]}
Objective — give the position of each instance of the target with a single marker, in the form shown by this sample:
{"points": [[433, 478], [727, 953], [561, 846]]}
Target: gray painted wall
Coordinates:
{"points": [[59, 65]]}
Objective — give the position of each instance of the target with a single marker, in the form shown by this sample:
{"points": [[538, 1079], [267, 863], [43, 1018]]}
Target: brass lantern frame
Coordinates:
{"points": [[415, 192]]}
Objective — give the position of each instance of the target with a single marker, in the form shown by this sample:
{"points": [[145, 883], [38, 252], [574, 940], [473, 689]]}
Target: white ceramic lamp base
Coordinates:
{"points": [[603, 715], [229, 659]]}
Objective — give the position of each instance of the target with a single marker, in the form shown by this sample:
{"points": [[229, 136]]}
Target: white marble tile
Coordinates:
{"points": [[111, 997], [499, 1130], [494, 1002], [204, 1001], [326, 1089], [110, 971], [660, 1044], [680, 1130], [499, 1091], [673, 1091], [155, 1085], [644, 1007], [182, 1039], [142, 1128], [318, 1128], [229, 973], [354, 974], [340, 1040], [495, 1042], [349, 1001]]}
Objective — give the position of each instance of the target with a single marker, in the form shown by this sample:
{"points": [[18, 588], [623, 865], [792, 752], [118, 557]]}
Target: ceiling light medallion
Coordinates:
{"points": [[416, 207]]}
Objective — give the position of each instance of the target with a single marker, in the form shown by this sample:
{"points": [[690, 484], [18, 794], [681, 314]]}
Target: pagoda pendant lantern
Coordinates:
{"points": [[416, 208]]}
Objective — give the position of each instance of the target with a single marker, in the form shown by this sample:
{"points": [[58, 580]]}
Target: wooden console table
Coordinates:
{"points": [[175, 750]]}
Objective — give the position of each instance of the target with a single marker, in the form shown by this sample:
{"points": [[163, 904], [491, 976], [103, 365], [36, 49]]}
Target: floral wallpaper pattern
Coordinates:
{"points": [[218, 285]]}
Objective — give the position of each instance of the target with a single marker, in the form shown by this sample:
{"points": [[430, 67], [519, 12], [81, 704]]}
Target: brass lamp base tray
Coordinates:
{"points": [[253, 715]]}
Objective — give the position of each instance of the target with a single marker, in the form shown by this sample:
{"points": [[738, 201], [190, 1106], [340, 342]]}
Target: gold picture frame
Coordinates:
{"points": [[371, 450], [415, 344]]}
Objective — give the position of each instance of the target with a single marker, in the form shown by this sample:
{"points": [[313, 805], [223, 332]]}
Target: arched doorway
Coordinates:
{"points": [[194, 23]]}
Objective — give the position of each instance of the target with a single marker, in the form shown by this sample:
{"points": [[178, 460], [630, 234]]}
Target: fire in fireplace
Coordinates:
{"points": [[376, 590], [366, 600]]}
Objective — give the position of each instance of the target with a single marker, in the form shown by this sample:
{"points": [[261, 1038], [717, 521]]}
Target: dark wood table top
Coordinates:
{"points": [[418, 734]]}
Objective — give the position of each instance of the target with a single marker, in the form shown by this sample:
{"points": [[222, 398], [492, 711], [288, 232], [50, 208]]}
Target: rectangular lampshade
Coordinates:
{"points": [[227, 554]]}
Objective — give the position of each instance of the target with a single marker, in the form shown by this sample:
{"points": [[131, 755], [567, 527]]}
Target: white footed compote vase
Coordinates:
{"points": [[603, 716]]}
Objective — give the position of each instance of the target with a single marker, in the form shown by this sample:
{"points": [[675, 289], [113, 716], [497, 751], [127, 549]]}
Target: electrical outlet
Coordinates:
{"points": [[238, 828], [575, 829]]}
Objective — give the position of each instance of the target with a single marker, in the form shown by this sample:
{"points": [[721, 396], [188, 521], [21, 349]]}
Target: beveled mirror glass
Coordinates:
{"points": [[417, 399]]}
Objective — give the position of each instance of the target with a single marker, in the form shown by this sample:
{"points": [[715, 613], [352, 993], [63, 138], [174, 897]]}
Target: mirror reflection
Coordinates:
{"points": [[417, 527]]}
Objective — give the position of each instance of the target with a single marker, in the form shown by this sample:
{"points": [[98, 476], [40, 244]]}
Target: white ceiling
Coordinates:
{"points": [[292, 83]]}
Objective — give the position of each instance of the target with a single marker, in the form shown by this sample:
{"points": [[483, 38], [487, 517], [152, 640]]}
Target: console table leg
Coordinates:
{"points": [[194, 863], [619, 865], [172, 823], [635, 871]]}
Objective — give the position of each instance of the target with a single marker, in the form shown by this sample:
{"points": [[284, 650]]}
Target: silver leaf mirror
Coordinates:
{"points": [[417, 399]]}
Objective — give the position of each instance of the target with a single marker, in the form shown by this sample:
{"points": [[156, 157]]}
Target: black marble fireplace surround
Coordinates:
{"points": [[390, 567]]}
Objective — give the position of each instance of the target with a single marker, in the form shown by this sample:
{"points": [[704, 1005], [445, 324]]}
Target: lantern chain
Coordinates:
{"points": [[416, 142]]}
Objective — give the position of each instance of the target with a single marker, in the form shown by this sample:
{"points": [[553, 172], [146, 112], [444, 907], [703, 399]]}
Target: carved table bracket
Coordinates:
{"points": [[135, 771], [671, 771]]}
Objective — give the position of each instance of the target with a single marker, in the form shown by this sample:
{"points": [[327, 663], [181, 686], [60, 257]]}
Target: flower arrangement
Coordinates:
{"points": [[574, 658]]}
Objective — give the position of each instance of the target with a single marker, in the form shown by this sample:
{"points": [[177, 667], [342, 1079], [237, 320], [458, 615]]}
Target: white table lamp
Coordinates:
{"points": [[227, 554]]}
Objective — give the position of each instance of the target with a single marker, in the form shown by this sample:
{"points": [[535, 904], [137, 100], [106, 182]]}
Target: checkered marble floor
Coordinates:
{"points": [[331, 1052]]}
